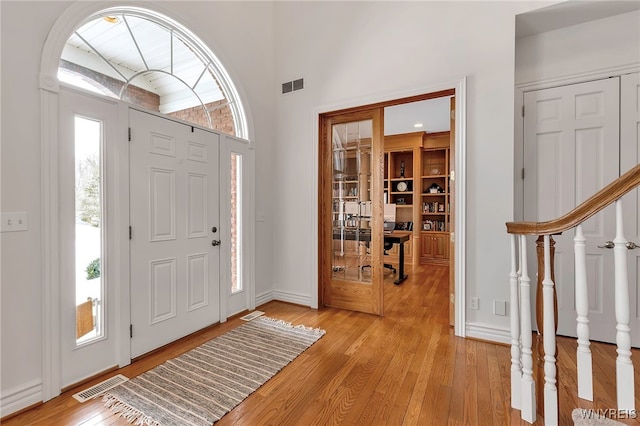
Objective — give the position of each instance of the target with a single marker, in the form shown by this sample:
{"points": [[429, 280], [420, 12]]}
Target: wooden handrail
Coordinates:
{"points": [[584, 211]]}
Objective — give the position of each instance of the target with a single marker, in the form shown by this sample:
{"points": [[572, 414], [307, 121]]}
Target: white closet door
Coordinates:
{"points": [[630, 157], [571, 150]]}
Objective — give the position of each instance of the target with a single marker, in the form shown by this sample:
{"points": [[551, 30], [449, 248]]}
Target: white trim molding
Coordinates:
{"points": [[21, 397], [283, 296], [263, 298], [488, 333], [50, 244]]}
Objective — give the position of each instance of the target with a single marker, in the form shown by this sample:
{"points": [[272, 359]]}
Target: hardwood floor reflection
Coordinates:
{"points": [[406, 368]]}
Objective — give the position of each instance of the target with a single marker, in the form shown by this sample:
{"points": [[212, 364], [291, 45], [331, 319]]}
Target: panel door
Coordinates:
{"points": [[571, 137], [630, 156], [174, 214]]}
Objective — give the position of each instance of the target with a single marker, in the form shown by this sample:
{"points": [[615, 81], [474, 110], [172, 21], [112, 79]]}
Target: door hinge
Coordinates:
{"points": [[131, 331], [523, 110], [523, 173], [130, 232], [129, 134]]}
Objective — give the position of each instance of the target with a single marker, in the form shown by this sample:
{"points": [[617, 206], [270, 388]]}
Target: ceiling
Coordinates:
{"points": [[432, 113]]}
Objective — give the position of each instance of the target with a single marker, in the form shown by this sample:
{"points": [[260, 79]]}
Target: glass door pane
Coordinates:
{"points": [[88, 229], [351, 201], [236, 223]]}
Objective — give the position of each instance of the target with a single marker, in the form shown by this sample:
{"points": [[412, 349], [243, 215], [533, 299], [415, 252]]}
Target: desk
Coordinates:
{"points": [[400, 240], [365, 236]]}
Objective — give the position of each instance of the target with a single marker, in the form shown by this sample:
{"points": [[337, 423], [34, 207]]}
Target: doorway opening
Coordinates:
{"points": [[404, 185]]}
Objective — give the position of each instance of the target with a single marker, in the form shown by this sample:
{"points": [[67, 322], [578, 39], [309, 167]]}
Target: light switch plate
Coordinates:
{"points": [[14, 221]]}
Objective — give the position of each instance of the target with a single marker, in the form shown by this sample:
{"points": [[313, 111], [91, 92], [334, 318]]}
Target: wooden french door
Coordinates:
{"points": [[351, 210]]}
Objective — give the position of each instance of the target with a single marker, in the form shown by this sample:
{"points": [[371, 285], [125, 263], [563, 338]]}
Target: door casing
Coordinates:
{"points": [[457, 88]]}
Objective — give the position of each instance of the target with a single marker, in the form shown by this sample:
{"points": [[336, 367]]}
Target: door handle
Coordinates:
{"points": [[216, 243], [631, 245], [608, 244]]}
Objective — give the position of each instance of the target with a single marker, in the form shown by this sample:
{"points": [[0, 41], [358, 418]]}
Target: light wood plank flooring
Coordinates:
{"points": [[406, 368]]}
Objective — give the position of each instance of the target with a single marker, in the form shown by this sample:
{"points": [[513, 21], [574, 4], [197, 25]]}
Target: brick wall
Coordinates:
{"points": [[221, 118]]}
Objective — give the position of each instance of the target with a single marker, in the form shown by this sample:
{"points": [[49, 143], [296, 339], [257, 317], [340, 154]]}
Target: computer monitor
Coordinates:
{"points": [[389, 217]]}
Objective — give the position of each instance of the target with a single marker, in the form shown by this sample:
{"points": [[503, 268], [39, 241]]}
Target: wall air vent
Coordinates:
{"points": [[291, 86]]}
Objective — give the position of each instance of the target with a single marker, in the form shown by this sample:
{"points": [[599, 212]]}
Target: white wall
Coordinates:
{"points": [[239, 33], [349, 53], [579, 49]]}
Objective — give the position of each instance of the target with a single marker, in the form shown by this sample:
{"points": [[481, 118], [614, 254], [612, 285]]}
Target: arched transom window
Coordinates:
{"points": [[149, 60]]}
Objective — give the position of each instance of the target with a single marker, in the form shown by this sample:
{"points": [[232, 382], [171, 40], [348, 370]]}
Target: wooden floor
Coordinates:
{"points": [[406, 368]]}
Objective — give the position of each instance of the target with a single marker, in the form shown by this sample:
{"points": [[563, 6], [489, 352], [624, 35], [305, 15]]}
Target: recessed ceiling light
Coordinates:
{"points": [[417, 125], [111, 19]]}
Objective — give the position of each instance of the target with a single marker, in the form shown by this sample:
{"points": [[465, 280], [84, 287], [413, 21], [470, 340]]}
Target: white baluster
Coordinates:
{"points": [[548, 312], [528, 395], [624, 366], [516, 368], [583, 352]]}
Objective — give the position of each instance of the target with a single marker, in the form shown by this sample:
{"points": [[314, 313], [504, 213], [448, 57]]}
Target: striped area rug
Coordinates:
{"points": [[202, 385]]}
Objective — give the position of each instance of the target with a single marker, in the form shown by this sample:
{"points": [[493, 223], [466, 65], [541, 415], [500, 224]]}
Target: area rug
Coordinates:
{"points": [[202, 385]]}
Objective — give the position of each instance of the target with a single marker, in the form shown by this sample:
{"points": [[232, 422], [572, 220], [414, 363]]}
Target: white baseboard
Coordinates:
{"points": [[287, 296], [263, 298], [489, 333], [283, 296], [20, 397]]}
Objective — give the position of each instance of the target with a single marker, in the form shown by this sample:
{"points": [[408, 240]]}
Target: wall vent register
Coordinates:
{"points": [[292, 86]]}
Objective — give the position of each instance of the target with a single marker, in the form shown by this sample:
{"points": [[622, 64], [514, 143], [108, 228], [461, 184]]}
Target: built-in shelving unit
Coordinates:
{"points": [[435, 199], [416, 179]]}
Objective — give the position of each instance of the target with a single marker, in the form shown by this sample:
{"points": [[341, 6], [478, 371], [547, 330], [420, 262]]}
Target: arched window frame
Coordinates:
{"points": [[208, 59]]}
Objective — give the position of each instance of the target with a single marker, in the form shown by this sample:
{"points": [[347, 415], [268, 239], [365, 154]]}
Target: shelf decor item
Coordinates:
{"points": [[401, 168], [435, 189], [402, 186]]}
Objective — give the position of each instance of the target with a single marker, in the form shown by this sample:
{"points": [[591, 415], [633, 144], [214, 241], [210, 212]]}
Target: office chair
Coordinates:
{"points": [[387, 246]]}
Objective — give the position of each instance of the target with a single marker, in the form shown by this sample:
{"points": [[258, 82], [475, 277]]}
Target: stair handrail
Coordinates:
{"points": [[600, 200]]}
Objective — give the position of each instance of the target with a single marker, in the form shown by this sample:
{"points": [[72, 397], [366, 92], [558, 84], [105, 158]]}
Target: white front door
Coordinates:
{"points": [[572, 150], [174, 216], [88, 200]]}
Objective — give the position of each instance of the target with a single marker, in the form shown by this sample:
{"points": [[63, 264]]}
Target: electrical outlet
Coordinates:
{"points": [[500, 307], [16, 221], [475, 303]]}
